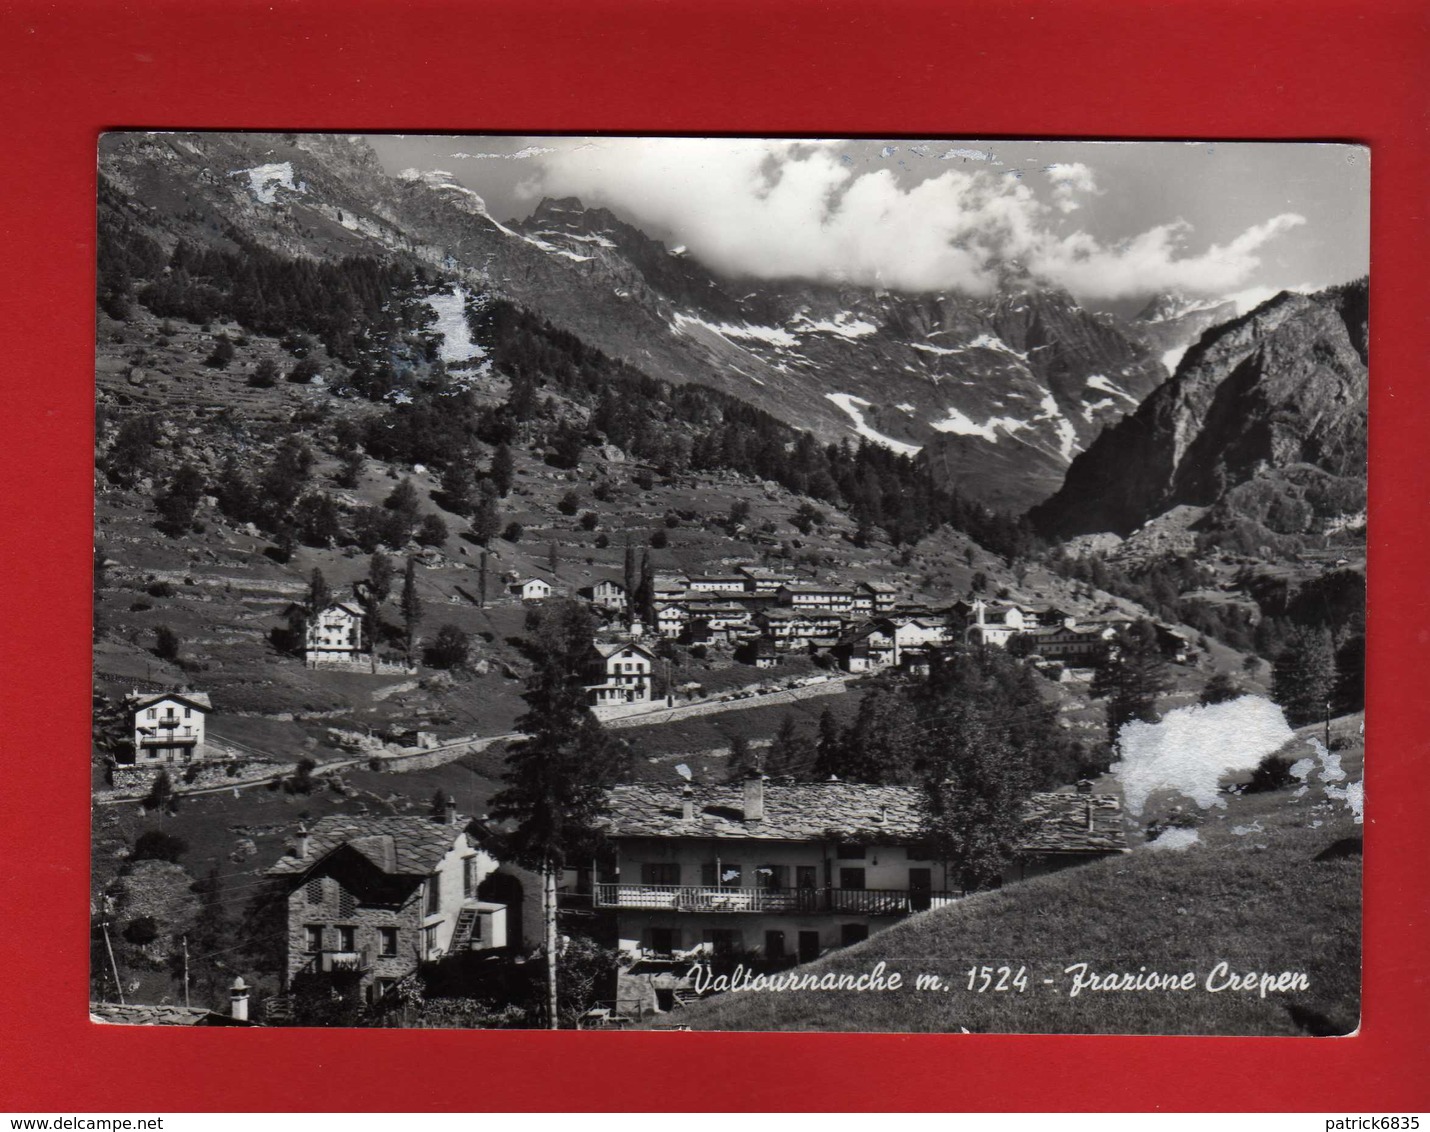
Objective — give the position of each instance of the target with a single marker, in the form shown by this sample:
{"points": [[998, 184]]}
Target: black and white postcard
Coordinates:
{"points": [[729, 584]]}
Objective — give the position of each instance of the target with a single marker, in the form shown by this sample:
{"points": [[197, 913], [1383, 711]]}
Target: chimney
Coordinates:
{"points": [[238, 1000], [755, 798], [1084, 786], [687, 803], [1090, 824], [302, 842], [449, 812]]}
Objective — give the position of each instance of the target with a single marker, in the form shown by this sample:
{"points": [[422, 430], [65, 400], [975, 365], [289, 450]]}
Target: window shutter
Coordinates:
{"points": [[347, 903], [315, 891]]}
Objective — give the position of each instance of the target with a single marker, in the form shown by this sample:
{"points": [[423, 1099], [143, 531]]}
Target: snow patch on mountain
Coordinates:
{"points": [[989, 342], [851, 405], [843, 324], [1103, 385], [451, 311], [264, 181], [1172, 357], [770, 335], [958, 422], [1067, 432]]}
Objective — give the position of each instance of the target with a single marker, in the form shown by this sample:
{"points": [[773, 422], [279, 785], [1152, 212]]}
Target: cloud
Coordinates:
{"points": [[1069, 179], [801, 209]]}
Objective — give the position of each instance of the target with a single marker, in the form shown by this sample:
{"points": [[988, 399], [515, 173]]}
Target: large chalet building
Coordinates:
{"points": [[381, 895], [789, 871], [618, 674], [333, 635], [168, 727]]}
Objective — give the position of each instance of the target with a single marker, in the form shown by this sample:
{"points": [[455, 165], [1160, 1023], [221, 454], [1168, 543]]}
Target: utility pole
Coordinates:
{"points": [[185, 941], [113, 966], [1328, 725]]}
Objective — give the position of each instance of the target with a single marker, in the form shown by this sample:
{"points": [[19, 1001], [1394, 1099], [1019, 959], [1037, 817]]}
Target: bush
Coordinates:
{"points": [[569, 503], [449, 648], [432, 531], [142, 930], [589, 521], [166, 643], [659, 540], [513, 532], [304, 372], [602, 541], [156, 845], [222, 354], [265, 375], [1273, 773], [160, 589]]}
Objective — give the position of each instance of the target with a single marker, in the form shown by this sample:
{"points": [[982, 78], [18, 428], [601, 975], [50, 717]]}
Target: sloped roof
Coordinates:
{"points": [[822, 811], [610, 649], [399, 845], [142, 1014], [140, 700], [1075, 823], [805, 811]]}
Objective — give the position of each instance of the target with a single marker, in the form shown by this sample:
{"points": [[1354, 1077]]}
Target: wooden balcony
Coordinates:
{"points": [[360, 960], [796, 901]]}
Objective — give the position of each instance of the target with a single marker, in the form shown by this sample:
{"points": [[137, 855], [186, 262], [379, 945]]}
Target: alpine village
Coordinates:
{"points": [[519, 624]]}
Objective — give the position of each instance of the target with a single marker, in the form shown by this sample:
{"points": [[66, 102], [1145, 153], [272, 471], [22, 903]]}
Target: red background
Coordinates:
{"points": [[1326, 69]]}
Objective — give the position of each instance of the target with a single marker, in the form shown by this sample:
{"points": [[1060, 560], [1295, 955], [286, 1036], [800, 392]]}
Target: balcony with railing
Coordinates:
{"points": [[169, 740], [702, 898], [334, 960]]}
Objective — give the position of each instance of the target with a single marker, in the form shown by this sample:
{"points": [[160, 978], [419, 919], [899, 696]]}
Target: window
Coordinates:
{"points": [[774, 945], [347, 938], [847, 851], [772, 876], [429, 941], [659, 872], [188, 713], [387, 942], [851, 878], [434, 894], [314, 891], [347, 903], [663, 941], [152, 714], [805, 876], [469, 877], [313, 938], [723, 941]]}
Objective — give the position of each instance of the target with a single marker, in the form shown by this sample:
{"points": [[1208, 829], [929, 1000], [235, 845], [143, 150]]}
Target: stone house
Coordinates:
{"points": [[382, 895], [619, 673]]}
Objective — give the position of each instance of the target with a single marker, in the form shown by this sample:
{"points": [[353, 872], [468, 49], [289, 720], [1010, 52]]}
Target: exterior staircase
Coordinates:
{"points": [[462, 933]]}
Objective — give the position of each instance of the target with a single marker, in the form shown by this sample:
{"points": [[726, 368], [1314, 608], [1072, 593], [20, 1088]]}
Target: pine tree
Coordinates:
{"points": [[1303, 675], [320, 594], [744, 762], [976, 786], [411, 607], [503, 470], [486, 516], [376, 589], [552, 559], [1132, 676], [482, 581], [880, 744], [557, 777], [791, 754], [829, 752]]}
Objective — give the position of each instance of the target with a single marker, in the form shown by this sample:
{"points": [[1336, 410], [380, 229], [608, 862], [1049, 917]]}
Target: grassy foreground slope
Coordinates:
{"points": [[1250, 891]]}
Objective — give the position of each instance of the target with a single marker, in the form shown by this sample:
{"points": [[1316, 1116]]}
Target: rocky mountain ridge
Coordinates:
{"points": [[1266, 416], [997, 394]]}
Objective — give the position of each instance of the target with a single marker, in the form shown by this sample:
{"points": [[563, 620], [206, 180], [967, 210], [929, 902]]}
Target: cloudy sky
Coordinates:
{"points": [[1111, 221]]}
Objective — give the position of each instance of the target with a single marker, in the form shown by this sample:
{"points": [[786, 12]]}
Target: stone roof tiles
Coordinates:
{"points": [[398, 845]]}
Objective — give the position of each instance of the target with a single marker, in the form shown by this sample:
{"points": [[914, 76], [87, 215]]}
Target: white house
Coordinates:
{"points": [[810, 596], [789, 871], [168, 726], [607, 594], [333, 633], [531, 589], [670, 620], [618, 673], [763, 580]]}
